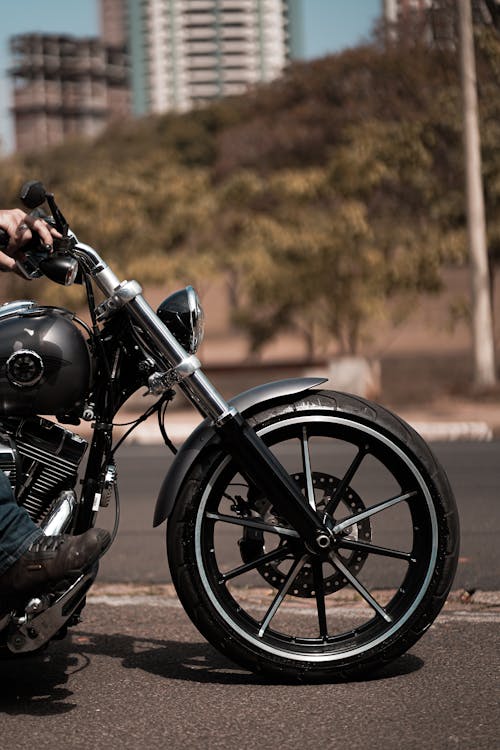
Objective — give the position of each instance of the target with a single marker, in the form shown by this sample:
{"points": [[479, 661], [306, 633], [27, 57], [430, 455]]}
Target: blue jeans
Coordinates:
{"points": [[17, 530]]}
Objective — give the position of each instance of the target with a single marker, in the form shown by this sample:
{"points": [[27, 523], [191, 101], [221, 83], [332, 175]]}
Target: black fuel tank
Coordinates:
{"points": [[45, 365]]}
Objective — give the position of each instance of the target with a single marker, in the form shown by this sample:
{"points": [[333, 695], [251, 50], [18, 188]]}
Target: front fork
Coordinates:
{"points": [[261, 468], [254, 459]]}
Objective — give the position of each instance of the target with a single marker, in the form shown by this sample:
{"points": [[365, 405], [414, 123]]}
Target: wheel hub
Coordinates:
{"points": [[252, 543]]}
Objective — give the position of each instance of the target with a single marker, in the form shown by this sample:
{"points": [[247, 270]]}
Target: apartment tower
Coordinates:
{"points": [[188, 52], [64, 86]]}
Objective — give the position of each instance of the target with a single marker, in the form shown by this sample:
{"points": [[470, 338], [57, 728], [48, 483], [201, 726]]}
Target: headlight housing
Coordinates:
{"points": [[183, 314]]}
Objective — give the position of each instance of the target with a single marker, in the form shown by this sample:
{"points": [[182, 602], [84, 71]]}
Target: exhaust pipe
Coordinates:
{"points": [[60, 514]]}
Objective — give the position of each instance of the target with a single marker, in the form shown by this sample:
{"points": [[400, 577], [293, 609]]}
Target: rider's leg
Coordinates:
{"points": [[32, 562], [17, 530]]}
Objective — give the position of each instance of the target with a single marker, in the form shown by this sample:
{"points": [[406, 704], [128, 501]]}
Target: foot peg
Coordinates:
{"points": [[41, 623]]}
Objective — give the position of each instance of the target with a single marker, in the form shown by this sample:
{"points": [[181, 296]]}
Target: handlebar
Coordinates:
{"points": [[35, 240], [69, 261], [38, 261]]}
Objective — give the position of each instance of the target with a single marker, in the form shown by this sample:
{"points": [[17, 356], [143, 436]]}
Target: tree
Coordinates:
{"points": [[319, 250]]}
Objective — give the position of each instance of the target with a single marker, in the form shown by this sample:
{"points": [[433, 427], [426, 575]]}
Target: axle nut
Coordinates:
{"points": [[323, 541]]}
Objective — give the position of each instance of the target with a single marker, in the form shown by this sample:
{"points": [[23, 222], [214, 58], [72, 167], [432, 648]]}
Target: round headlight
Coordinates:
{"points": [[183, 315]]}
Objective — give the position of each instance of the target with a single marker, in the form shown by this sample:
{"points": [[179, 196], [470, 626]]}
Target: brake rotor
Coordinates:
{"points": [[252, 544]]}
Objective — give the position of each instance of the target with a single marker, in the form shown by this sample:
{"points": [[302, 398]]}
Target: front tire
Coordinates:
{"points": [[257, 593]]}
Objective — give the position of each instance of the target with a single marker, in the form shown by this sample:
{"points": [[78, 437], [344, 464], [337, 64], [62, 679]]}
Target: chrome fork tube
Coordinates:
{"points": [[197, 387]]}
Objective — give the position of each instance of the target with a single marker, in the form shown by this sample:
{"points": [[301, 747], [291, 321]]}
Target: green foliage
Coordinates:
{"points": [[321, 195]]}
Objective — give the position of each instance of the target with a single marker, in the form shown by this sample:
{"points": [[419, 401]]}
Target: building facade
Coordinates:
{"points": [[63, 86], [395, 10], [152, 56], [188, 52], [113, 22]]}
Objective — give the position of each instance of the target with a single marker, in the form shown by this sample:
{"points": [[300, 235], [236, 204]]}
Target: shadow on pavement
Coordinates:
{"points": [[38, 685]]}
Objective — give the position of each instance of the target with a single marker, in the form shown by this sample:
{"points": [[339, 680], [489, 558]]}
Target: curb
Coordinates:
{"points": [[453, 431], [458, 600]]}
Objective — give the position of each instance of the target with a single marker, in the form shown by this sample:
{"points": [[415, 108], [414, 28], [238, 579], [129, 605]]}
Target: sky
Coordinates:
{"points": [[329, 26]]}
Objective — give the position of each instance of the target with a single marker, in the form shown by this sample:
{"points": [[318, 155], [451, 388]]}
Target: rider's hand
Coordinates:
{"points": [[20, 227]]}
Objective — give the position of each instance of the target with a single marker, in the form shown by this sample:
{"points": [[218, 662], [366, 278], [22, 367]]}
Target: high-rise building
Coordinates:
{"points": [[188, 52], [436, 18], [396, 10], [113, 21], [65, 86]]}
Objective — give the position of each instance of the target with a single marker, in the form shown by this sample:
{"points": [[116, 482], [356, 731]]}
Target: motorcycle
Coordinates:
{"points": [[311, 534]]}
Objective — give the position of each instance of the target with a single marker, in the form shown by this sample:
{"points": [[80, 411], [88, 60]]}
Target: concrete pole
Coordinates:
{"points": [[482, 323]]}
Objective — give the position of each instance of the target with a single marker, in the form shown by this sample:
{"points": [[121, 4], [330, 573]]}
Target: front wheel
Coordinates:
{"points": [[260, 596]]}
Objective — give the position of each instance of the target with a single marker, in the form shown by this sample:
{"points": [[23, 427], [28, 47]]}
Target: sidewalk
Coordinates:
{"points": [[455, 419]]}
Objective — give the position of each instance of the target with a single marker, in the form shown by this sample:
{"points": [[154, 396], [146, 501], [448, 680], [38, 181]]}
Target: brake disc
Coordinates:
{"points": [[252, 543]]}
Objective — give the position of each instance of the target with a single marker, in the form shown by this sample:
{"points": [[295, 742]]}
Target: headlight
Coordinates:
{"points": [[183, 315]]}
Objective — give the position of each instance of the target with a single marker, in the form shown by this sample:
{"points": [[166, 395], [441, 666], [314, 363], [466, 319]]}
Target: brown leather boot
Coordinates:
{"points": [[53, 560]]}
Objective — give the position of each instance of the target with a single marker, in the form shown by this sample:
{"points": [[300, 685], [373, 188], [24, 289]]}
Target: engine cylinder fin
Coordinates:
{"points": [[43, 459]]}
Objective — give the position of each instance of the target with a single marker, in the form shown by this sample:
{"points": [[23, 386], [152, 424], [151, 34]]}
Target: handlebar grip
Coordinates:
{"points": [[4, 239]]}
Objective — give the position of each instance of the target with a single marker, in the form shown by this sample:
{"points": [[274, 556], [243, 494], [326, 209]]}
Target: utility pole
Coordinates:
{"points": [[482, 319]]}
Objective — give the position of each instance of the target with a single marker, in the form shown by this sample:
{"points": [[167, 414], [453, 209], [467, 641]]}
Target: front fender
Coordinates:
{"points": [[245, 403]]}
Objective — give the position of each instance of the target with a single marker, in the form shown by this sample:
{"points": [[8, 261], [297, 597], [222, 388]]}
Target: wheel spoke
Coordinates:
{"points": [[261, 525], [374, 549], [306, 460], [278, 599], [337, 563], [319, 588], [372, 511], [335, 499], [275, 554]]}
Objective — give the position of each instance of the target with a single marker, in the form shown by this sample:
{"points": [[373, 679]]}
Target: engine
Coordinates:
{"points": [[41, 459]]}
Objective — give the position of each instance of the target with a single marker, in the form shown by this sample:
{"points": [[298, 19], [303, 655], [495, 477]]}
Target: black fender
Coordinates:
{"points": [[245, 403]]}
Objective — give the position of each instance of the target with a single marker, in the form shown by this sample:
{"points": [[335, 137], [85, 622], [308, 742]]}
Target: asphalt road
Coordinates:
{"points": [[139, 675], [138, 554], [136, 673]]}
